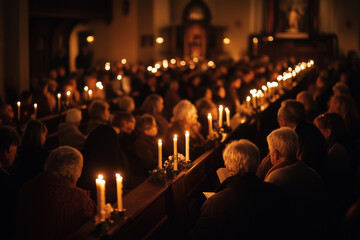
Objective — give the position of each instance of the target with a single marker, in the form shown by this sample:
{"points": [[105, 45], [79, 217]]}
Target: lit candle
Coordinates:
{"points": [[119, 187], [227, 111], [264, 88], [35, 109], [187, 145], [68, 98], [90, 94], [210, 124], [100, 192], [59, 101], [18, 107], [248, 98], [254, 100], [160, 154], [175, 153], [86, 89], [220, 115]]}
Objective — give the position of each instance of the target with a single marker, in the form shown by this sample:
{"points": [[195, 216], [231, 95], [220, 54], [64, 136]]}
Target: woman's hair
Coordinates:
{"points": [[97, 108], [183, 111], [333, 122], [241, 156], [145, 122], [285, 141], [66, 162], [32, 133], [151, 104], [8, 137], [344, 105]]}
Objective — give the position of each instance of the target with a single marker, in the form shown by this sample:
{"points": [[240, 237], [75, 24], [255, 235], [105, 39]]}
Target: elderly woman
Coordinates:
{"points": [[154, 105], [59, 207], [243, 205], [99, 114], [184, 119], [69, 133]]}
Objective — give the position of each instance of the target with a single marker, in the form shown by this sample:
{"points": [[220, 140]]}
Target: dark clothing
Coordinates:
{"points": [[146, 152], [93, 123], [103, 155], [70, 135], [312, 146], [29, 162], [162, 124], [243, 207], [9, 190], [52, 207]]}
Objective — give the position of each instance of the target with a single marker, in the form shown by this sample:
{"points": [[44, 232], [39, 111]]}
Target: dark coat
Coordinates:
{"points": [[146, 153], [52, 207], [243, 207]]}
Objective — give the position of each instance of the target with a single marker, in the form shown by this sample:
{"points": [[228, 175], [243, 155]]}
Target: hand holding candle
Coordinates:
{"points": [[119, 187], [175, 153], [160, 154]]}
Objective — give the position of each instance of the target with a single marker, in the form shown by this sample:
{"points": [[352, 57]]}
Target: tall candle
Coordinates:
{"points": [[254, 101], [210, 124], [160, 154], [90, 94], [248, 98], [35, 109], [175, 153], [119, 187], [18, 108], [86, 89], [100, 192], [220, 115], [68, 98], [59, 101], [187, 145], [227, 111]]}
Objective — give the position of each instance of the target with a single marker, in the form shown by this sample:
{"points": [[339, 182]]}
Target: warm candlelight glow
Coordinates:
{"points": [[68, 93], [154, 70], [119, 77], [182, 63], [119, 187], [90, 94], [149, 68], [18, 108], [100, 192], [175, 153], [59, 101], [173, 61], [226, 40], [157, 65], [159, 40], [165, 63], [35, 109], [279, 78], [90, 39], [123, 61], [220, 115], [107, 66], [160, 154], [187, 145], [86, 88], [227, 111], [211, 64], [210, 124]]}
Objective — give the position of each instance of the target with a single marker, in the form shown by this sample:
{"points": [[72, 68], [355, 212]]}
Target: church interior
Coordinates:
{"points": [[180, 119]]}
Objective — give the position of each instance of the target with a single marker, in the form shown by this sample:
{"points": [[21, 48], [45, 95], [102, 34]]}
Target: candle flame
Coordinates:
{"points": [[59, 95], [209, 115], [90, 92], [221, 107], [86, 88], [118, 177], [160, 142], [35, 105], [187, 133], [18, 103], [175, 137], [68, 93], [100, 177], [248, 98]]}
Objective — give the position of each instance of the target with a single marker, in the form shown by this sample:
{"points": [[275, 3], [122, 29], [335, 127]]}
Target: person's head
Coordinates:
{"points": [[235, 82], [345, 106], [147, 125], [306, 98], [291, 113], [174, 85], [124, 121], [206, 106], [341, 88], [153, 104], [9, 141], [126, 103], [331, 125], [34, 134], [7, 112], [205, 92], [66, 162], [241, 156], [283, 144], [73, 116], [184, 112], [99, 109], [220, 91]]}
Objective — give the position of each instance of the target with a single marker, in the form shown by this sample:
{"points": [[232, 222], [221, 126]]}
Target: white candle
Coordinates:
{"points": [[220, 115], [100, 191], [160, 154], [59, 101], [18, 107], [68, 98], [254, 101], [35, 109], [90, 94], [210, 124], [248, 98], [175, 153], [187, 145], [86, 89], [227, 111], [119, 187]]}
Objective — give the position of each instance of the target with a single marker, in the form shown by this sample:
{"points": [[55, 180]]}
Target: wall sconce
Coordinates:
{"points": [[159, 40]]}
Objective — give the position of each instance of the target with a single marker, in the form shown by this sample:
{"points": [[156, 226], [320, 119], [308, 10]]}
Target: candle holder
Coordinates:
{"points": [[102, 228], [158, 176]]}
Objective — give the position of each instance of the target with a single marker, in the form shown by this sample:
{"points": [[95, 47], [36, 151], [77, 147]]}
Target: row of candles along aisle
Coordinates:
{"points": [[258, 97]]}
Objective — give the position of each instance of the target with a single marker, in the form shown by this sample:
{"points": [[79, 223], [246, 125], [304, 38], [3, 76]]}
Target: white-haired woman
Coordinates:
{"points": [[50, 205], [184, 119]]}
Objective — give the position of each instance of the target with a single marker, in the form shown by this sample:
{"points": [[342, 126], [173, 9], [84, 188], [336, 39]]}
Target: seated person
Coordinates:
{"points": [[302, 185], [9, 142], [310, 109], [59, 207], [126, 104], [99, 114], [69, 133], [145, 145], [243, 206], [7, 115], [205, 106]]}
